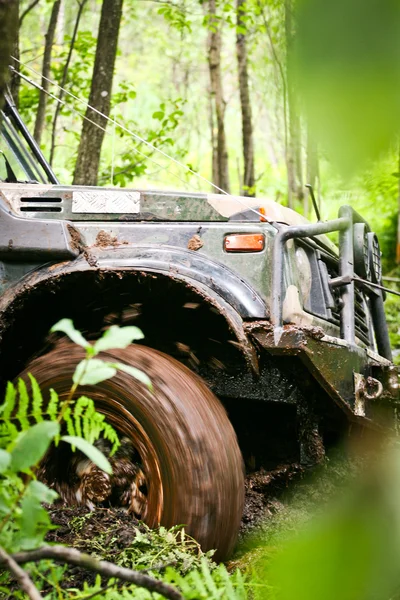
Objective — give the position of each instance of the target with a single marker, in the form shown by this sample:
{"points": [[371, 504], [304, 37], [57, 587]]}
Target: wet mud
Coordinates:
{"points": [[263, 494]]}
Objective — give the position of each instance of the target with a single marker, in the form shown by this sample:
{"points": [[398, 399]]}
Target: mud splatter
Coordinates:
{"points": [[195, 243], [105, 239]]}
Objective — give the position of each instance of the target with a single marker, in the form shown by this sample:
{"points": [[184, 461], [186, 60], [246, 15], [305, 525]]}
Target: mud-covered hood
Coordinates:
{"points": [[79, 203]]}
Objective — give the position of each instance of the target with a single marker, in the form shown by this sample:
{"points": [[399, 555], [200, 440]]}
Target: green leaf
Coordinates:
{"points": [[118, 337], [5, 459], [34, 523], [90, 451], [93, 371], [31, 445], [41, 492], [66, 326], [158, 115], [136, 373]]}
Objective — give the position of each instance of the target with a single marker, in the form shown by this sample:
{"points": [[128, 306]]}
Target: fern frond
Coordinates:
{"points": [[8, 433], [68, 420], [88, 422], [53, 405], [79, 407], [37, 400], [9, 402], [110, 434], [23, 405]]}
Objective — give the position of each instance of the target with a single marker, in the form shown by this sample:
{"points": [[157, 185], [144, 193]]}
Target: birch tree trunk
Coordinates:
{"points": [[245, 102], [294, 162], [87, 164], [8, 33], [48, 47], [220, 152]]}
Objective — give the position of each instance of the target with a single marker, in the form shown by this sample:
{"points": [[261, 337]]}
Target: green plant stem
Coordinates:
{"points": [[67, 402]]}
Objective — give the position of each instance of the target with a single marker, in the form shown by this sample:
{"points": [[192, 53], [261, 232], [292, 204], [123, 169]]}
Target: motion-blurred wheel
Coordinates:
{"points": [[179, 461]]}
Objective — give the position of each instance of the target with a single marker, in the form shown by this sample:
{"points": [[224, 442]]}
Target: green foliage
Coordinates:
{"points": [[202, 583], [91, 371], [80, 417], [32, 444], [176, 15], [169, 555], [350, 82], [29, 424], [91, 452]]}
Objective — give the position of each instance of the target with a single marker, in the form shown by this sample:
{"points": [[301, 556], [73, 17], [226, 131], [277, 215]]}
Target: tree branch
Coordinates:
{"points": [[74, 557], [81, 5], [23, 579], [28, 10]]}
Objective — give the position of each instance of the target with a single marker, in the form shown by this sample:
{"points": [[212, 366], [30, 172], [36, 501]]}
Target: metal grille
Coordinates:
{"points": [[361, 321], [40, 204]]}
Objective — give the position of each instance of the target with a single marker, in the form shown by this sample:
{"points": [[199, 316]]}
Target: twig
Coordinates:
{"points": [[81, 5], [105, 568], [25, 582], [28, 10]]}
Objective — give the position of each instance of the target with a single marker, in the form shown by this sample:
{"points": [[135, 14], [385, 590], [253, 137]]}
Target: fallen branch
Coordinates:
{"points": [[24, 581], [74, 557]]}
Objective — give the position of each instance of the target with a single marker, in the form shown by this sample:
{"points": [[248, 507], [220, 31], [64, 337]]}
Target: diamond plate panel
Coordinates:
{"points": [[105, 201]]}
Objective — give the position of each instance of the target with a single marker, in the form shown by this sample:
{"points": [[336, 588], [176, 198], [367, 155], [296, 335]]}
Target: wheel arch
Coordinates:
{"points": [[79, 290]]}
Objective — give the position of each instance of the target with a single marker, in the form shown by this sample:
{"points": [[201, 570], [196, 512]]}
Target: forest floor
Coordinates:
{"points": [[274, 501]]}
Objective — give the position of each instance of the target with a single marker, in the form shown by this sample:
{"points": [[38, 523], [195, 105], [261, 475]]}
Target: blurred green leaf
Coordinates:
{"points": [[90, 372], [5, 459], [90, 451], [32, 444], [136, 373], [348, 56], [117, 337], [66, 326]]}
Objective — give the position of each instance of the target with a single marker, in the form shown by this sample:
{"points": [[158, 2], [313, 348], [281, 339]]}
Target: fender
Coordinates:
{"points": [[230, 295]]}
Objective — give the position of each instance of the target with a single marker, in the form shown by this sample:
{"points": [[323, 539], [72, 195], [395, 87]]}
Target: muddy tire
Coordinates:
{"points": [[188, 448]]}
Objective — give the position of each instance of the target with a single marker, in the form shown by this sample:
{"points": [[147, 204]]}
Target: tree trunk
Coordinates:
{"points": [[245, 102], [64, 79], [15, 80], [87, 164], [214, 62], [48, 47], [294, 163], [8, 33]]}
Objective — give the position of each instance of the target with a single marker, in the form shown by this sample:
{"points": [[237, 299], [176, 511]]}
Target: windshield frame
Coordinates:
{"points": [[24, 149]]}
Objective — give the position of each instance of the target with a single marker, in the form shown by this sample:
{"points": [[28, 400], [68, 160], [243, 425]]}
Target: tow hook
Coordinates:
{"points": [[366, 388]]}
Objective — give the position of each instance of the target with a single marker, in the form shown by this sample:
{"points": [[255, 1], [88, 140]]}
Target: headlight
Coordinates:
{"points": [[375, 262], [304, 273], [361, 251]]}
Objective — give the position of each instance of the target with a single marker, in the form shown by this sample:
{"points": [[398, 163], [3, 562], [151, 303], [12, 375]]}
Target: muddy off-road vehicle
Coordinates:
{"points": [[265, 342]]}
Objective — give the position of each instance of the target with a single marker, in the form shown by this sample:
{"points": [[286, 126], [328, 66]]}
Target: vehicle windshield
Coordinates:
{"points": [[20, 158]]}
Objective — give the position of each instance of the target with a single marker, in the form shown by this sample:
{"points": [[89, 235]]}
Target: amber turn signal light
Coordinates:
{"points": [[244, 242]]}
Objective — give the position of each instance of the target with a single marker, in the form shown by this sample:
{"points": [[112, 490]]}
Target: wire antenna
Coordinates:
{"points": [[129, 132]]}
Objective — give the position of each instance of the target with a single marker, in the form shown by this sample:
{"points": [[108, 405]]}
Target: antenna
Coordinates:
{"points": [[315, 205]]}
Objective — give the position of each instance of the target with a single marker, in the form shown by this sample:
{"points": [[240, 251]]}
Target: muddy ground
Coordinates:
{"points": [[108, 532]]}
